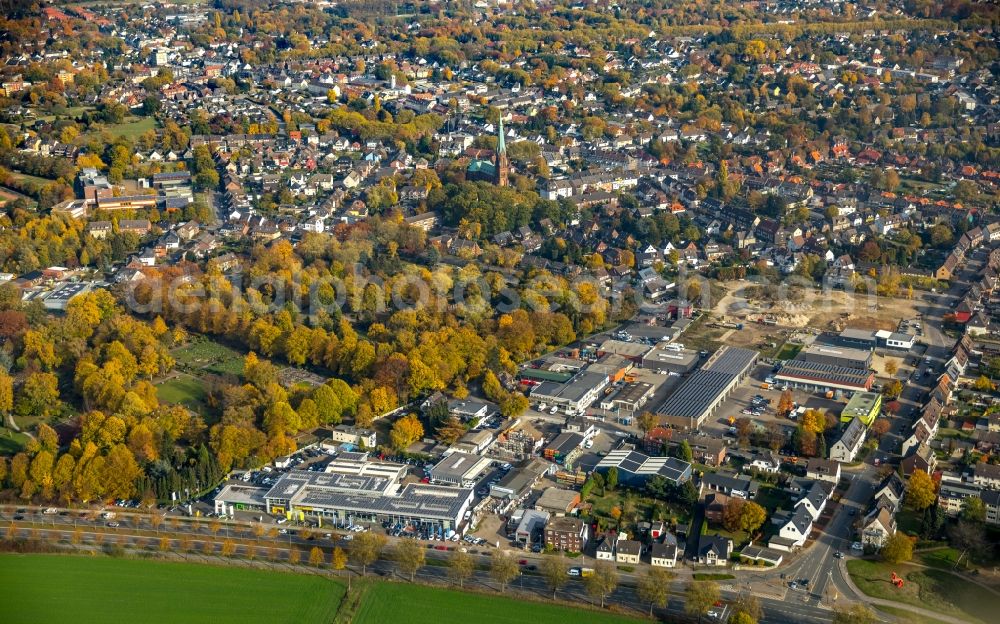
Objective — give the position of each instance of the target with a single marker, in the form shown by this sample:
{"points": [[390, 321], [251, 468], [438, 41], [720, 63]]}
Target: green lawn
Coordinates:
{"points": [[788, 351], [203, 353], [84, 590], [413, 604], [932, 589], [11, 442], [772, 498], [943, 558], [132, 128], [910, 616], [186, 391]]}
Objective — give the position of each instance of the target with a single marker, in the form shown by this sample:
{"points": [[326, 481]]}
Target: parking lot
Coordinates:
{"points": [[741, 400]]}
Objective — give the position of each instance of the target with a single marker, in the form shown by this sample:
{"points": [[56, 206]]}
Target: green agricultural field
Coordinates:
{"points": [[84, 590], [185, 390], [414, 604]]}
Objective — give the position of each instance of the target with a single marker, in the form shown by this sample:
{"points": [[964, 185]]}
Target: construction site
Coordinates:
{"points": [[764, 318]]}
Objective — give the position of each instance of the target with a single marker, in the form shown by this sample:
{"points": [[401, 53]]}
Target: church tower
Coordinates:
{"points": [[502, 165]]}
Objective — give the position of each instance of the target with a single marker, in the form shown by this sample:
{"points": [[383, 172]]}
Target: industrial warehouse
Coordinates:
{"points": [[824, 377], [700, 395]]}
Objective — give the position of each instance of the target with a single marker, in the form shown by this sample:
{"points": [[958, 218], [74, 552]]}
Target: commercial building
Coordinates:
{"points": [[670, 359], [845, 357], [630, 398], [633, 351], [575, 395], [865, 406], [240, 497], [340, 499], [560, 449], [557, 501], [700, 395], [846, 448], [460, 469], [824, 377], [858, 339], [532, 521], [566, 534], [364, 438], [895, 340], [634, 468]]}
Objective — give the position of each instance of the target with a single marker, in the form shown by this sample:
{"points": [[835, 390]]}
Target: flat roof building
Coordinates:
{"points": [[846, 357], [672, 360], [699, 396], [575, 395], [628, 350], [863, 405], [459, 469], [630, 397], [342, 499]]}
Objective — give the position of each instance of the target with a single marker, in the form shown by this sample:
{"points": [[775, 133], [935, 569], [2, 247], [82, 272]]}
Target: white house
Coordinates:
{"points": [[877, 528], [767, 462], [663, 555], [606, 550], [815, 500], [796, 530], [823, 470], [846, 448]]}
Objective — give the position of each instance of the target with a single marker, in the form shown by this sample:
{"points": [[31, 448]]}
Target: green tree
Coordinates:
{"points": [[460, 567], [503, 568], [898, 548], [654, 587], [700, 597], [554, 572], [611, 479], [920, 491], [366, 548], [684, 451], [973, 509], [410, 556], [602, 581]]}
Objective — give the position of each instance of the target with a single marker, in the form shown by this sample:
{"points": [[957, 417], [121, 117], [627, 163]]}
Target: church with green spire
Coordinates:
{"points": [[498, 171]]}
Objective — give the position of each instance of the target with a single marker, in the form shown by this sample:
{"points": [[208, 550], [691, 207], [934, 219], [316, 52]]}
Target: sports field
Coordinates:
{"points": [[59, 588], [414, 604]]}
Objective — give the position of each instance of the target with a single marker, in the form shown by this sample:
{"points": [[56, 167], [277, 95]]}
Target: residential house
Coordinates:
{"points": [[729, 484], [567, 534], [663, 555], [795, 530], [922, 458], [628, 551], [815, 499], [765, 462], [823, 470], [714, 550], [606, 549], [877, 528], [846, 448]]}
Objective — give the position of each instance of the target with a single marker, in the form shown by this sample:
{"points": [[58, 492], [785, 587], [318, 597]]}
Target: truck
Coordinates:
{"points": [[585, 572]]}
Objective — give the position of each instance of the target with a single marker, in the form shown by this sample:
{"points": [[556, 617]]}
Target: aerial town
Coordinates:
{"points": [[527, 310]]}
